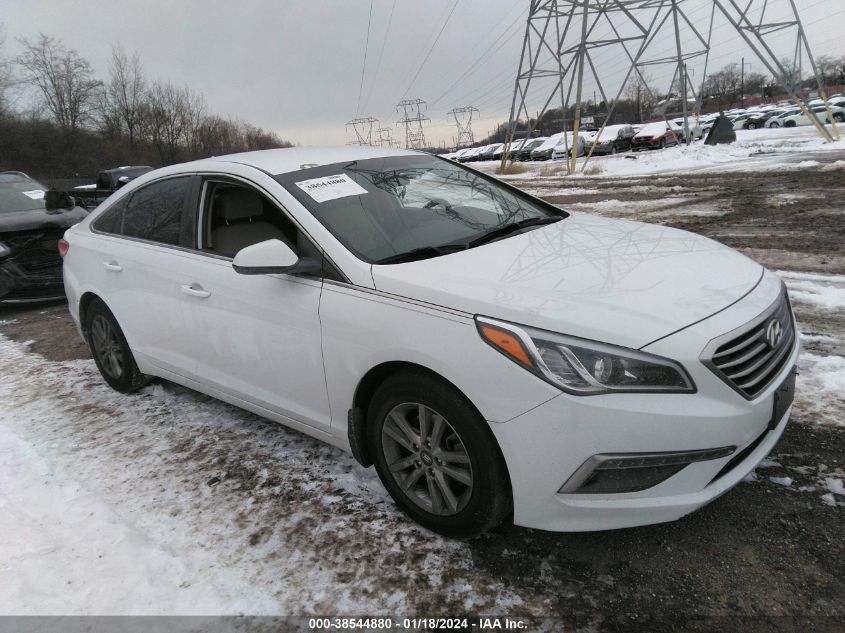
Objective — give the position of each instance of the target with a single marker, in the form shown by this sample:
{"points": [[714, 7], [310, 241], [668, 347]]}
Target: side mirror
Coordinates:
{"points": [[58, 200], [273, 257]]}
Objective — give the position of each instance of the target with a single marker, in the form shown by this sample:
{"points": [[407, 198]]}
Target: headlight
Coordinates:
{"points": [[584, 367], [4, 250]]}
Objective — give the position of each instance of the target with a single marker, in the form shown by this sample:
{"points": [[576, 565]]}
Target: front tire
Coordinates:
{"points": [[111, 351], [436, 456]]}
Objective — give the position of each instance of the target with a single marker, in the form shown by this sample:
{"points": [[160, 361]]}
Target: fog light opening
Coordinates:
{"points": [[615, 473]]}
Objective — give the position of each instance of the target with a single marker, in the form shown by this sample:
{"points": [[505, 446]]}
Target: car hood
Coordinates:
{"points": [[616, 281], [41, 219]]}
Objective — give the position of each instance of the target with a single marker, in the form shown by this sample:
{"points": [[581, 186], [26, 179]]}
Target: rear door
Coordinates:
{"points": [[146, 237]]}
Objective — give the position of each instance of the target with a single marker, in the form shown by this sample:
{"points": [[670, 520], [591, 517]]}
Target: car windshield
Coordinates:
{"points": [[382, 208], [19, 193]]}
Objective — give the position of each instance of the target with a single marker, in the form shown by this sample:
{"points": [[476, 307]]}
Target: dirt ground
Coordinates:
{"points": [[763, 557]]}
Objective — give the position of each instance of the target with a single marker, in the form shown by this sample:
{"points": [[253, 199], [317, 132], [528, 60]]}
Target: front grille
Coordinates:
{"points": [[745, 358]]}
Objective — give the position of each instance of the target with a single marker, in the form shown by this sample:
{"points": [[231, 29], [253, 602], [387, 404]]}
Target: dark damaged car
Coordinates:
{"points": [[30, 264]]}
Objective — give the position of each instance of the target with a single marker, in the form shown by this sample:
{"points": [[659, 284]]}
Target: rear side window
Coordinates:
{"points": [[159, 212]]}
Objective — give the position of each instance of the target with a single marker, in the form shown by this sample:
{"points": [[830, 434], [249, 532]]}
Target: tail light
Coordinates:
{"points": [[63, 247]]}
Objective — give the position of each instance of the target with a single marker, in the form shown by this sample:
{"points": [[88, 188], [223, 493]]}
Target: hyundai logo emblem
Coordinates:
{"points": [[774, 333]]}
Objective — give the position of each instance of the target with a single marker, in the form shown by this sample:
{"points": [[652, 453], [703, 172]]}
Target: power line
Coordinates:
{"points": [[364, 65], [381, 54], [428, 54], [484, 56]]}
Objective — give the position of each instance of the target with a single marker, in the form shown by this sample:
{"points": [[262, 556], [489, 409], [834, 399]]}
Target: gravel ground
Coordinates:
{"points": [[766, 556]]}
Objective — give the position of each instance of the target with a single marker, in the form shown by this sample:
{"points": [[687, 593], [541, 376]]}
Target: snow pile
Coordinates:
{"points": [[820, 291], [820, 390]]}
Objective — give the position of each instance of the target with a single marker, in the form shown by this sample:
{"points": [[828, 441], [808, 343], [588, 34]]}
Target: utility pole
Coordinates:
{"points": [[413, 119], [742, 82], [463, 120]]}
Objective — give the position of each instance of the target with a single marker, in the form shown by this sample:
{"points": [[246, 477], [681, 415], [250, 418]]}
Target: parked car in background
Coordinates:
{"points": [[516, 145], [410, 310], [695, 129], [759, 119], [565, 145], [654, 136], [108, 181], [544, 150], [30, 265], [489, 152], [525, 151], [799, 118], [777, 120], [613, 139], [470, 154]]}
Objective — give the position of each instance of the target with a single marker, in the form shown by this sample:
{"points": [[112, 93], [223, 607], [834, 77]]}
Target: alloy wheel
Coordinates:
{"points": [[427, 459], [107, 346]]}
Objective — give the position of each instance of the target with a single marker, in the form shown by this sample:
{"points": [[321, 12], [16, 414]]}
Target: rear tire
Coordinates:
{"points": [[436, 456], [662, 143], [111, 351], [752, 126]]}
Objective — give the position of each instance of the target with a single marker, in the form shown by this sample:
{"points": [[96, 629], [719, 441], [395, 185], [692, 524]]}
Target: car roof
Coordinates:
{"points": [[286, 160]]}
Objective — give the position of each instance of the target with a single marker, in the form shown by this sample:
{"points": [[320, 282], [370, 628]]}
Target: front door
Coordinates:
{"points": [[256, 337]]}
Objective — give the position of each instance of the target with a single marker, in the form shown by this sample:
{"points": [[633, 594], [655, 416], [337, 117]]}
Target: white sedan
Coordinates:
{"points": [[492, 355], [799, 118]]}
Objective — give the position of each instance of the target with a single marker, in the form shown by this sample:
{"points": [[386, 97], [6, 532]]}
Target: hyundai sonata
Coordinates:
{"points": [[491, 355]]}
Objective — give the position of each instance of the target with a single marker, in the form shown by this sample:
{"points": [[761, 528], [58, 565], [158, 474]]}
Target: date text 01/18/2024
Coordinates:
{"points": [[419, 624]]}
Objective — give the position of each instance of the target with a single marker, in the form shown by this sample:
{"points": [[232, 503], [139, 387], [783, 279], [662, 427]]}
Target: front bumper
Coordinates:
{"points": [[546, 446], [23, 284]]}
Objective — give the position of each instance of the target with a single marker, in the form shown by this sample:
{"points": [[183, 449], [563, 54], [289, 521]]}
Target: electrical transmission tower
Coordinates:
{"points": [[412, 119], [384, 138], [463, 119], [572, 43], [363, 128]]}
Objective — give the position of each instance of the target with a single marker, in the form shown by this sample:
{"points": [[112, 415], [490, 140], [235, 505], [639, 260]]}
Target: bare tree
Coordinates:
{"points": [[639, 91], [5, 75], [791, 76], [170, 119], [724, 86], [64, 80], [125, 91]]}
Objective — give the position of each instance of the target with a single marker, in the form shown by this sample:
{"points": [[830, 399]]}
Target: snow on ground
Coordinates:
{"points": [[823, 291], [754, 150], [167, 502], [820, 390]]}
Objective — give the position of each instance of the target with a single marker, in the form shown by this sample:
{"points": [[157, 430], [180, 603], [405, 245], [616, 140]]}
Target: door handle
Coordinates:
{"points": [[113, 266], [195, 292]]}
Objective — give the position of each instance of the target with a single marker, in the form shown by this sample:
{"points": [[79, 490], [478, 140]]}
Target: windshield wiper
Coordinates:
{"points": [[507, 229], [424, 252]]}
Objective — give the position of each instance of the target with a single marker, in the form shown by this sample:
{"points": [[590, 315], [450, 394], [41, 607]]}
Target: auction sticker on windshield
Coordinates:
{"points": [[331, 187]]}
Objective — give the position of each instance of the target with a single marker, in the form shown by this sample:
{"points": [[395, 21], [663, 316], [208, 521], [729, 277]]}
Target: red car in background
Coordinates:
{"points": [[654, 136]]}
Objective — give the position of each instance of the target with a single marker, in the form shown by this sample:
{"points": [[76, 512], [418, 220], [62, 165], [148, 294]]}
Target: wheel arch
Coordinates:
{"points": [[366, 388], [85, 302]]}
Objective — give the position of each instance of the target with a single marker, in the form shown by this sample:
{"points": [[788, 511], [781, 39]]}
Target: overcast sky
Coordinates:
{"points": [[295, 66]]}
